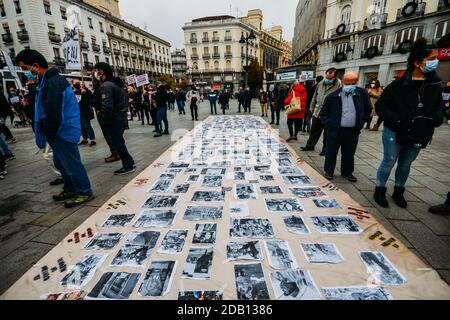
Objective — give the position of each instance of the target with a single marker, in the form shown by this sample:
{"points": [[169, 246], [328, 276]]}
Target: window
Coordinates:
{"points": [[412, 34], [206, 50], [207, 65], [17, 6], [215, 35], [93, 39], [216, 65], [340, 48], [129, 35], [112, 29], [97, 59], [194, 51], [90, 23], [216, 50], [2, 10], [346, 15], [442, 28], [377, 41], [107, 60], [228, 35], [228, 64], [47, 7], [137, 39], [228, 48], [193, 38], [121, 33], [21, 25], [100, 24], [56, 53], [63, 13], [379, 6], [51, 28]]}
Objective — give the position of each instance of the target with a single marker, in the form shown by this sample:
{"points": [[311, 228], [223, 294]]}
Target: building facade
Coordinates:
{"points": [[179, 65], [310, 19], [42, 25], [372, 37], [109, 6], [135, 51], [286, 58], [215, 58]]}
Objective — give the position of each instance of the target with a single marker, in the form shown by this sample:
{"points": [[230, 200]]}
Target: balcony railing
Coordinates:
{"points": [[7, 38], [374, 23], [380, 52], [84, 45], [23, 35], [59, 61], [216, 55], [228, 55], [133, 55], [193, 40], [125, 54], [96, 47], [349, 28], [215, 39], [227, 39], [140, 57], [420, 12], [54, 37], [107, 50], [194, 57], [147, 59], [206, 56], [116, 52], [205, 40]]}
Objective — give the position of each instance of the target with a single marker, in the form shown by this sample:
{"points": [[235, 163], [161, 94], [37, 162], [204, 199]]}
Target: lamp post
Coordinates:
{"points": [[246, 40]]}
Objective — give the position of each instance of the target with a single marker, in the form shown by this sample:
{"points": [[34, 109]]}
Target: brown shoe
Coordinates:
{"points": [[112, 158]]}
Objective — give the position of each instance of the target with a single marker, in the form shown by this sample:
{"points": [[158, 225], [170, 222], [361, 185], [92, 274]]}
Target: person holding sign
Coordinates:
{"points": [[57, 121]]}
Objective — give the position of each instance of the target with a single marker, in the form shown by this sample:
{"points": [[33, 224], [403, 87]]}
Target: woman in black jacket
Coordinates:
{"points": [[411, 108]]}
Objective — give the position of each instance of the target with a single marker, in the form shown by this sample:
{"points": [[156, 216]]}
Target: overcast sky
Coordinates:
{"points": [[164, 18]]}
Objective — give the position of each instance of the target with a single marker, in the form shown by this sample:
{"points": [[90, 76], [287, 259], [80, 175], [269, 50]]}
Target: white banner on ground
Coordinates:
{"points": [[71, 50], [131, 79], [142, 80], [12, 69]]}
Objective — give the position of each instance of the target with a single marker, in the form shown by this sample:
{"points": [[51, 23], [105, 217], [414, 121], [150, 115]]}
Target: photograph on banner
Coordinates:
{"points": [[142, 80]]}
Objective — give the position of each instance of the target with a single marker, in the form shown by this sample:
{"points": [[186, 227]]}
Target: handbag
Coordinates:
{"points": [[295, 106], [419, 133]]}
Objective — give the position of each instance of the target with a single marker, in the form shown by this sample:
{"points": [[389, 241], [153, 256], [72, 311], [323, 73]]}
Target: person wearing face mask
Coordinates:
{"points": [[344, 114], [328, 85], [57, 121], [114, 109], [374, 92], [411, 108]]}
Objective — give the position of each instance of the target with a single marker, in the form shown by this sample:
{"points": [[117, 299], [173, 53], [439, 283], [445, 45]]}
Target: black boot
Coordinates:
{"points": [[399, 198], [380, 197]]}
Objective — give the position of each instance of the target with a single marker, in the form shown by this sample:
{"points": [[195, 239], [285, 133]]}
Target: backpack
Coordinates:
{"points": [[419, 133]]}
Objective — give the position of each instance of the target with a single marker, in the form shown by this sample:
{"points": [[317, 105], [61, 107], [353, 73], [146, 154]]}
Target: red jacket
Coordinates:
{"points": [[300, 91]]}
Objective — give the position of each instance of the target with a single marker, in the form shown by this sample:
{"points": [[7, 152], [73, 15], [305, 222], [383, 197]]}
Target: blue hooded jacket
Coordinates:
{"points": [[56, 111]]}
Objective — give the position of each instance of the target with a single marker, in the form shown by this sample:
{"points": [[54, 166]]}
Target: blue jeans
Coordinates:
{"points": [[116, 128], [86, 129], [161, 116], [67, 160], [394, 153], [4, 148], [213, 107], [181, 106]]}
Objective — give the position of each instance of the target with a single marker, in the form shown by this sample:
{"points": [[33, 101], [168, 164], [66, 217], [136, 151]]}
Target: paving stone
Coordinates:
{"points": [[437, 187], [427, 196], [438, 224], [16, 236], [356, 194], [445, 275]]}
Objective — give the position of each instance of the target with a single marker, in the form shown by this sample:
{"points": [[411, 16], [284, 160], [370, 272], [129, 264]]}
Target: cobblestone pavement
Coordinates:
{"points": [[31, 224]]}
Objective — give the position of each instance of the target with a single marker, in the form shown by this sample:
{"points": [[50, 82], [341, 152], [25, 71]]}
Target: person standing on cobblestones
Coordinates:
{"points": [[180, 97], [86, 113], [411, 108], [161, 99], [193, 97], [57, 121]]}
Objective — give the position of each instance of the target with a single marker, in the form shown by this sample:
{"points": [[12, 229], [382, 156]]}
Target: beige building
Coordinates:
{"points": [[135, 51], [109, 6], [286, 58]]}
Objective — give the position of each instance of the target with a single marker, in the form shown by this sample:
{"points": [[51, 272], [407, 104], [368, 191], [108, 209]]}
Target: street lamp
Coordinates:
{"points": [[246, 40]]}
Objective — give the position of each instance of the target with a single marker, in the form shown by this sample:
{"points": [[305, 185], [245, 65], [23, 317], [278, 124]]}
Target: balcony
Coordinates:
{"points": [[116, 52], [206, 56], [84, 45], [147, 59], [215, 39], [228, 55], [420, 12], [364, 53], [153, 61], [126, 54], [23, 35], [375, 23], [228, 39], [194, 57], [107, 50], [193, 40], [349, 28], [133, 55], [216, 55], [96, 47], [141, 57], [54, 37], [59, 61], [205, 40]]}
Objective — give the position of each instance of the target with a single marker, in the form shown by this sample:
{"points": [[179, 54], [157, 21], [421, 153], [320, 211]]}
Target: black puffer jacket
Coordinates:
{"points": [[399, 101]]}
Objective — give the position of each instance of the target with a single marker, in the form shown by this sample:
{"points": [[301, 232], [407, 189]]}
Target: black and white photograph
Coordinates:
{"points": [[179, 165], [83, 271], [205, 233], [336, 224], [296, 225], [245, 192], [213, 171], [283, 205], [118, 220], [174, 170], [262, 169], [357, 293], [326, 253], [236, 176], [266, 177], [173, 242], [114, 286], [381, 268], [137, 249], [326, 203], [280, 255], [181, 188], [285, 162], [297, 180], [190, 171], [294, 285], [308, 192], [168, 176], [157, 201], [158, 279], [271, 190], [200, 295], [290, 171], [250, 283], [155, 218], [251, 228], [203, 213], [208, 196], [160, 186], [103, 241], [239, 209], [212, 181], [250, 250], [193, 178], [198, 263]]}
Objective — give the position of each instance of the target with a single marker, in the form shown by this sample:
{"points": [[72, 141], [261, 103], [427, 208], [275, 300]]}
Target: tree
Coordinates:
{"points": [[168, 80], [255, 76]]}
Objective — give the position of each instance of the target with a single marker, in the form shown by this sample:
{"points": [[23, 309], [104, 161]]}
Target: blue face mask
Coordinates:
{"points": [[328, 82], [430, 66], [30, 75], [349, 89]]}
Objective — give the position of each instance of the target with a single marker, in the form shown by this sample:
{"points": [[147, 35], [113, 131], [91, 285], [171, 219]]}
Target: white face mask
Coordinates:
{"points": [[97, 76], [372, 85]]}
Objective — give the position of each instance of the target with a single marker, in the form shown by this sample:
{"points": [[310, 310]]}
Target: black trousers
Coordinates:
{"points": [[248, 106], [241, 104], [108, 136], [275, 112], [153, 113], [345, 139], [294, 126], [316, 131], [2, 162], [194, 111], [5, 130], [144, 111]]}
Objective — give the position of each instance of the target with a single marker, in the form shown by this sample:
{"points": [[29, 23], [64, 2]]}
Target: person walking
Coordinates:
{"points": [[146, 104], [160, 99], [374, 92], [86, 113], [193, 97], [344, 113], [5, 112], [180, 97], [241, 99], [171, 99], [310, 91], [57, 121], [224, 100], [114, 115], [271, 97], [248, 101], [280, 96], [212, 97], [330, 84], [411, 108], [295, 120], [263, 101]]}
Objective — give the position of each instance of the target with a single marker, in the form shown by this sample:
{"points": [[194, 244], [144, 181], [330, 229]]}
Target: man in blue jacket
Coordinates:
{"points": [[212, 97], [344, 113], [57, 121]]}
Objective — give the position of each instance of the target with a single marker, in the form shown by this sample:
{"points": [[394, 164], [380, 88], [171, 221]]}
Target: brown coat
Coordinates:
{"points": [[374, 95]]}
